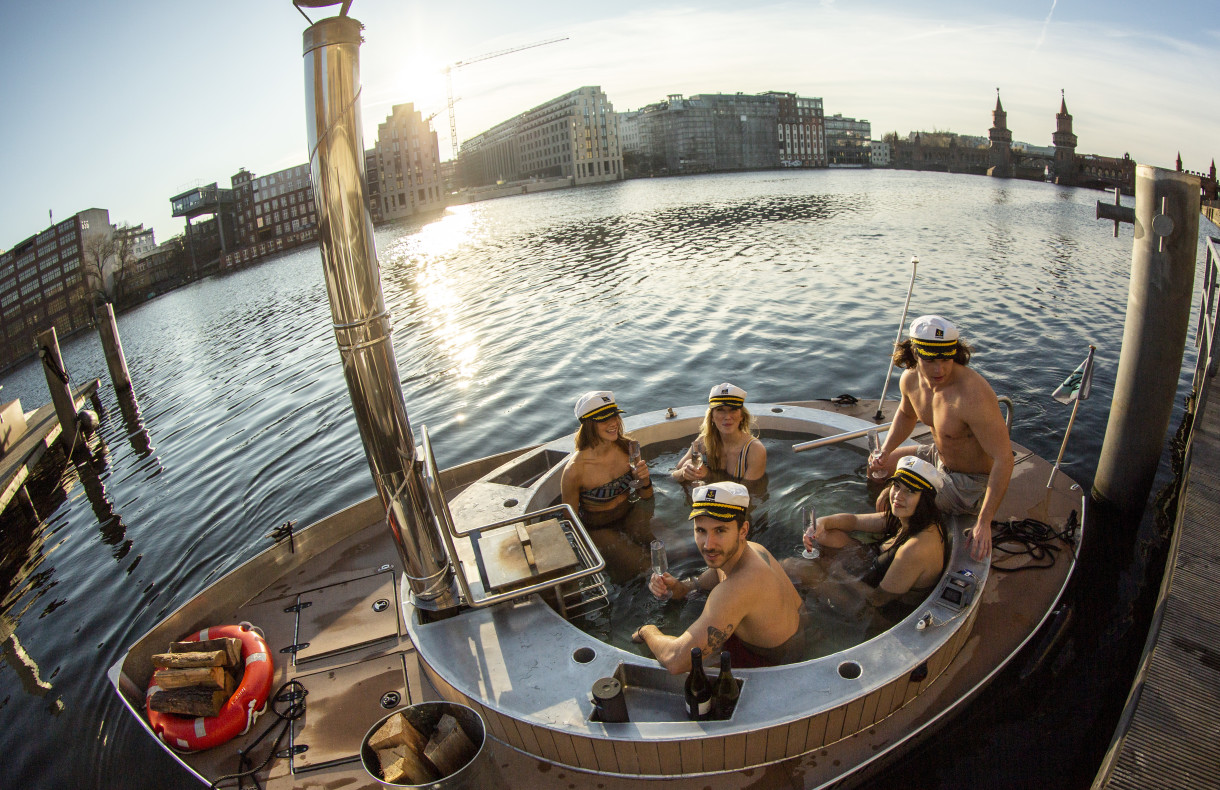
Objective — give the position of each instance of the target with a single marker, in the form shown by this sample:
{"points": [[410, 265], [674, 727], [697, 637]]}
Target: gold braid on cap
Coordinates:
{"points": [[602, 413], [913, 480], [719, 511], [935, 349]]}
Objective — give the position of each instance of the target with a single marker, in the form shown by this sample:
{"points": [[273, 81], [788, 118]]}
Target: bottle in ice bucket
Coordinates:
{"points": [[698, 689], [725, 692]]}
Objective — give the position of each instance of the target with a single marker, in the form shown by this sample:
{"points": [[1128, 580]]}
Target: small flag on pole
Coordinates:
{"points": [[1075, 388], [1077, 385]]}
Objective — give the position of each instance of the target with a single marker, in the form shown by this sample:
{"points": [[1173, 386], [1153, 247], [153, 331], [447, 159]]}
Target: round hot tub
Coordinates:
{"points": [[529, 671]]}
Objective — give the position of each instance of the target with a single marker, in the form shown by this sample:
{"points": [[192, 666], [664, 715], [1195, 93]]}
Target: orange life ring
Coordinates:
{"points": [[187, 734]]}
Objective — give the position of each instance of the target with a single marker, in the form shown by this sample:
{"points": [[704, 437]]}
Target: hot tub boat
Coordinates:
{"points": [[341, 619], [461, 584]]}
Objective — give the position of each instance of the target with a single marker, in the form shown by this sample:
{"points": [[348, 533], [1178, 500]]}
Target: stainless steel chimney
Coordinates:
{"points": [[361, 322]]}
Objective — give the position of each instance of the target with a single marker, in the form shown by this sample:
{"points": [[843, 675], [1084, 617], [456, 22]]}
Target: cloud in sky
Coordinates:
{"points": [[1045, 25], [158, 111]]}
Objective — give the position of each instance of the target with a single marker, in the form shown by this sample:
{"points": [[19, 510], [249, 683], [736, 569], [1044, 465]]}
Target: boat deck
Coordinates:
{"points": [[1174, 708], [333, 582], [42, 429]]}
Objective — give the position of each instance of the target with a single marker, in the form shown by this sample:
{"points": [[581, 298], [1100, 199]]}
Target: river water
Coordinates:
{"points": [[787, 284]]}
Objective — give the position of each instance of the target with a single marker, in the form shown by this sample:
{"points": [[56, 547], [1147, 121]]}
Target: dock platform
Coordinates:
{"points": [[42, 430], [1167, 737]]}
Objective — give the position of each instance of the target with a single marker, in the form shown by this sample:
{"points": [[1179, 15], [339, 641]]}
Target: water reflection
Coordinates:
{"points": [[24, 666], [90, 471]]}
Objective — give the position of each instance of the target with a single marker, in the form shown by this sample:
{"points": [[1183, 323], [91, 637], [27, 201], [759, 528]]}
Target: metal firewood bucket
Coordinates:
{"points": [[477, 772]]}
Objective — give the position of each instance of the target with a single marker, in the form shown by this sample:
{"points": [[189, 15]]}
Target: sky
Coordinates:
{"points": [[122, 105]]}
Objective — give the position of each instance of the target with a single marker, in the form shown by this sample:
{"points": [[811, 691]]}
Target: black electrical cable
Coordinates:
{"points": [[295, 709], [1034, 539]]}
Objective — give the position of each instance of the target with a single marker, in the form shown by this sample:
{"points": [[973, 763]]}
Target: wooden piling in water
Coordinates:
{"points": [[108, 330], [57, 383]]}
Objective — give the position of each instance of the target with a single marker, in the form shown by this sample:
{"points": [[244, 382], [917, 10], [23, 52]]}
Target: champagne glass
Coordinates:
{"points": [[696, 459], [809, 522], [633, 456], [660, 565], [874, 453]]}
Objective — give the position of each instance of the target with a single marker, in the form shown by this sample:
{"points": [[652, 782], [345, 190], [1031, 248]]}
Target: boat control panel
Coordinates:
{"points": [[957, 590]]}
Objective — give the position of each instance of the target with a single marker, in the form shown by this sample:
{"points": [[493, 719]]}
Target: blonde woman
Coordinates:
{"points": [[726, 444]]}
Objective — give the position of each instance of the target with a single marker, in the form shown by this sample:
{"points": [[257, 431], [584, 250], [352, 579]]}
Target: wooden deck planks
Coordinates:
{"points": [[42, 429], [1172, 740]]}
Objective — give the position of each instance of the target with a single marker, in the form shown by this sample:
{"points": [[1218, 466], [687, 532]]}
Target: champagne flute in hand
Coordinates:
{"points": [[874, 453], [696, 460], [633, 457], [660, 565], [809, 525]]}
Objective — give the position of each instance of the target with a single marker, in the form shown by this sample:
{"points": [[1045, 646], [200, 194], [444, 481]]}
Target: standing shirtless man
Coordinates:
{"points": [[970, 439]]}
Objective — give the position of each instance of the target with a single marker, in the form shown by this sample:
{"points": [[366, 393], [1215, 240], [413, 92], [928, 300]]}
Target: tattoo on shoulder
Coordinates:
{"points": [[716, 638]]}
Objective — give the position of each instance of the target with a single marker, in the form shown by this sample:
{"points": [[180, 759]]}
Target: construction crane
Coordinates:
{"points": [[459, 64]]}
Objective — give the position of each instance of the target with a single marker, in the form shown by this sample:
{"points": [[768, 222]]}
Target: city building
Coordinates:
{"points": [[274, 212], [629, 130], [730, 131], [207, 240], [137, 241], [879, 153], [801, 129], [43, 283], [574, 136], [160, 270], [944, 152], [407, 165], [848, 141], [677, 136], [372, 181]]}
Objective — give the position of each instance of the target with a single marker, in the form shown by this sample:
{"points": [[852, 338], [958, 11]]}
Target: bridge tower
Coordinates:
{"points": [[1001, 142], [1066, 167]]}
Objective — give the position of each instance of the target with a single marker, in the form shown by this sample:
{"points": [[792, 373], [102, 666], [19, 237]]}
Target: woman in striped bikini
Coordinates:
{"points": [[597, 480], [726, 442], [596, 483]]}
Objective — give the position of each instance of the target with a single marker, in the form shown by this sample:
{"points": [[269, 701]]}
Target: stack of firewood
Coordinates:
{"points": [[196, 678], [407, 756]]}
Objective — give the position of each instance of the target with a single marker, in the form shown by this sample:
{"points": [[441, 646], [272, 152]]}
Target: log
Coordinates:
{"points": [[188, 701], [231, 645], [211, 658], [397, 731], [449, 749], [411, 767], [388, 757], [203, 677]]}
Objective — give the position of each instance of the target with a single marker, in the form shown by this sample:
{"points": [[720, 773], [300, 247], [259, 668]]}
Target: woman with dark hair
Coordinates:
{"points": [[597, 482], [726, 444], [910, 556]]}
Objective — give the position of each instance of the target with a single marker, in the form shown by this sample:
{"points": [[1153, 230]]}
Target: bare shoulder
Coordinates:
{"points": [[762, 553], [978, 392], [575, 465], [924, 544]]}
